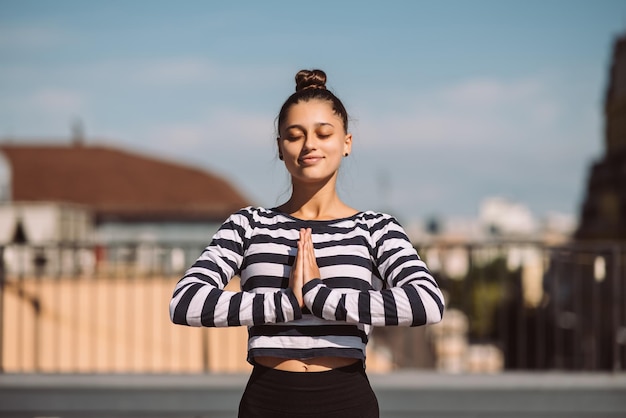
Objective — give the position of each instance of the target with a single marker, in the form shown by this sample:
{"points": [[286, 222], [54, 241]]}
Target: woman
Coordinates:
{"points": [[316, 275]]}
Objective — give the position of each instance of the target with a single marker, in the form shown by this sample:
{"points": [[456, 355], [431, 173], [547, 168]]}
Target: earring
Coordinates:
{"points": [[280, 157], [346, 154]]}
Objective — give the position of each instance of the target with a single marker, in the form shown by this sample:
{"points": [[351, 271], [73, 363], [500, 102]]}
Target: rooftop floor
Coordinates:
{"points": [[401, 394]]}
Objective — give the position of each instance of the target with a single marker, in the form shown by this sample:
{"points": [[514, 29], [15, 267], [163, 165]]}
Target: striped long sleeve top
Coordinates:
{"points": [[370, 276]]}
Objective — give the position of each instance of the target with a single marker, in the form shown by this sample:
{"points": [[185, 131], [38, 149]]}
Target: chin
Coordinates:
{"points": [[310, 180]]}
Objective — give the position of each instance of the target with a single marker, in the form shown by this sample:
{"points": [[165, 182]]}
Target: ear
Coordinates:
{"points": [[347, 146]]}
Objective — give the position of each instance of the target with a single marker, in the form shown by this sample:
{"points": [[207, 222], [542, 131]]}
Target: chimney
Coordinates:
{"points": [[78, 133]]}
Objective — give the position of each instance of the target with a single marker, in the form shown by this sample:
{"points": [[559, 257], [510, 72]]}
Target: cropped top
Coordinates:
{"points": [[370, 276]]}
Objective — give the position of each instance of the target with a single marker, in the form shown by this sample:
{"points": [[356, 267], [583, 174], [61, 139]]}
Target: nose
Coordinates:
{"points": [[310, 143]]}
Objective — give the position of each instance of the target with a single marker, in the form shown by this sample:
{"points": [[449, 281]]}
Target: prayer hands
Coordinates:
{"points": [[305, 267]]}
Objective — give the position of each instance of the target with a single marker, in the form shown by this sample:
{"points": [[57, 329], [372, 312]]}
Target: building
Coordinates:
{"points": [[125, 192], [104, 197], [604, 209]]}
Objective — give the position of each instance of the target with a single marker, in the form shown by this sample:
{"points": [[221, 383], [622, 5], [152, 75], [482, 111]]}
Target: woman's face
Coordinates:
{"points": [[313, 142]]}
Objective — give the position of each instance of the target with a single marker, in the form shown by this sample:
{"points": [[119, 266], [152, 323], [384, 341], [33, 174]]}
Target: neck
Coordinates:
{"points": [[316, 201]]}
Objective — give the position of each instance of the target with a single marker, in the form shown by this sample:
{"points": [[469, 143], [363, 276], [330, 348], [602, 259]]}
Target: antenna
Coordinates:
{"points": [[78, 133]]}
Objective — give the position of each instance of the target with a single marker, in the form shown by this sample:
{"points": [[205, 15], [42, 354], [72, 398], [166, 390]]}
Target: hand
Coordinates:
{"points": [[296, 276], [305, 266], [310, 269]]}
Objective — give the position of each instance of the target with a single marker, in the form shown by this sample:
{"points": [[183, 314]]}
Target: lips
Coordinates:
{"points": [[309, 159]]}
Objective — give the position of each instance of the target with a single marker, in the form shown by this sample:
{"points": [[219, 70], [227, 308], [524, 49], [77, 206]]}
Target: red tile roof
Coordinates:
{"points": [[118, 185]]}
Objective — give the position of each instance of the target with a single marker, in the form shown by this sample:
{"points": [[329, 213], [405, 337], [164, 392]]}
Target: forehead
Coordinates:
{"points": [[312, 112]]}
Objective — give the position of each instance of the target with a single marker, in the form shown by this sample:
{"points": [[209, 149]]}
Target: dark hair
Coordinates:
{"points": [[311, 85]]}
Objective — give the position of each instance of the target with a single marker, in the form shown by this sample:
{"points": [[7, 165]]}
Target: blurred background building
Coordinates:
{"points": [[603, 215], [85, 194]]}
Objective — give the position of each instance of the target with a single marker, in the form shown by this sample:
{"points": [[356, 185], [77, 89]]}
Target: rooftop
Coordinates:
{"points": [[118, 184]]}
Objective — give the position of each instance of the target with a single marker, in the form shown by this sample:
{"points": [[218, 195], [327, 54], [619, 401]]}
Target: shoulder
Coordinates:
{"points": [[377, 220], [242, 224], [254, 215], [382, 226], [250, 212]]}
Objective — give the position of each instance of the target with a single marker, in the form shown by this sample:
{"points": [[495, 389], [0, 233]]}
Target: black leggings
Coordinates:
{"points": [[339, 393]]}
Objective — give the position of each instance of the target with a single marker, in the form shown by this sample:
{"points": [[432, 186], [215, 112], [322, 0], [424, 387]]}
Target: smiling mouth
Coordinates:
{"points": [[309, 160]]}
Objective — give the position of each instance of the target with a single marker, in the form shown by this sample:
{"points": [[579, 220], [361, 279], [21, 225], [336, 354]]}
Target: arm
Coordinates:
{"points": [[199, 298], [411, 298]]}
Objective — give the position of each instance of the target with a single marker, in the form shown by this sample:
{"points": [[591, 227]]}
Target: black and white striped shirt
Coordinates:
{"points": [[370, 276]]}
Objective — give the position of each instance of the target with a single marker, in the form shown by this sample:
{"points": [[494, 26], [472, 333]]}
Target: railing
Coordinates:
{"points": [[539, 307], [510, 305]]}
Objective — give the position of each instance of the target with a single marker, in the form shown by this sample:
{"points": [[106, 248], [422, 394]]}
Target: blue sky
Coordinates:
{"points": [[451, 101]]}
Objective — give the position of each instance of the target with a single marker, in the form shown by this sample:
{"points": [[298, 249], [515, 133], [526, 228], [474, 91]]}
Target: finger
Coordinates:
{"points": [[302, 251], [299, 255], [313, 258], [297, 262], [307, 240], [296, 276], [310, 263], [302, 240], [305, 246], [310, 246]]}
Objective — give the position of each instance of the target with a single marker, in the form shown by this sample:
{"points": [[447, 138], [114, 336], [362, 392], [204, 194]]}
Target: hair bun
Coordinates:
{"points": [[310, 79]]}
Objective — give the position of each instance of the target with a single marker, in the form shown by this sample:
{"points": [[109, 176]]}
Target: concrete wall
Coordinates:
{"points": [[115, 325]]}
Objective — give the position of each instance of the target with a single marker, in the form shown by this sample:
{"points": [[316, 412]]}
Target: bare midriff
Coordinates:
{"points": [[316, 364]]}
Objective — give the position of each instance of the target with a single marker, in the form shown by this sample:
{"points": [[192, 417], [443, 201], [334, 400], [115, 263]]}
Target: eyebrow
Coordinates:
{"points": [[300, 127]]}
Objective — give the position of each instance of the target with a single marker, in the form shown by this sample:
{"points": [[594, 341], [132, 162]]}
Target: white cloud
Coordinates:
{"points": [[180, 135], [57, 101], [46, 112], [32, 36], [170, 71], [46, 103], [130, 73], [546, 113], [490, 93], [471, 113], [451, 146], [185, 70], [222, 128]]}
